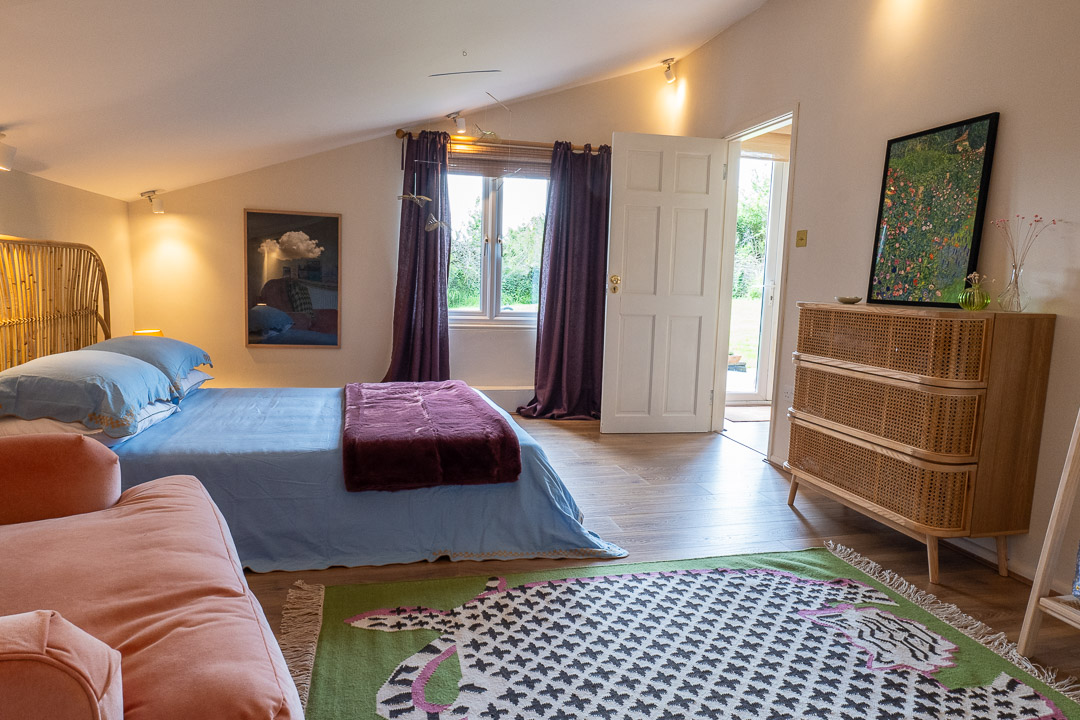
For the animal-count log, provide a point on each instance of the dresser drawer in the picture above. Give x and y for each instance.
(950, 347)
(933, 423)
(930, 495)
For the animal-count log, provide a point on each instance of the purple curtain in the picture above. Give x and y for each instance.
(570, 326)
(421, 326)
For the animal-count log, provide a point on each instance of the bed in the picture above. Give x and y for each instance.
(271, 458)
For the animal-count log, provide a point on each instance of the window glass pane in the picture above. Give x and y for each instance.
(467, 242)
(524, 202)
(747, 300)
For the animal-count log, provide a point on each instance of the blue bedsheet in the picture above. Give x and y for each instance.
(271, 459)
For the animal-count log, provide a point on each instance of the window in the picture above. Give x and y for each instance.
(497, 208)
(497, 237)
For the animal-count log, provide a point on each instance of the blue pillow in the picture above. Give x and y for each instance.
(99, 389)
(263, 319)
(175, 358)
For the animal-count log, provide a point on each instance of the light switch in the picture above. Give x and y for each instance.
(800, 238)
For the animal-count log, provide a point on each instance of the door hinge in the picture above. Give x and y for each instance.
(711, 393)
(725, 171)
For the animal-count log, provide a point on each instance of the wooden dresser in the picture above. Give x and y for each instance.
(926, 420)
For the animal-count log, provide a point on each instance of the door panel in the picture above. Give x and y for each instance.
(644, 170)
(682, 367)
(692, 173)
(642, 242)
(664, 278)
(635, 394)
(689, 243)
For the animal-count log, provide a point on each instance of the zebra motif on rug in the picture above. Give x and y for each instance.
(741, 644)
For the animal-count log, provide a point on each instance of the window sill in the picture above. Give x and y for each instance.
(479, 322)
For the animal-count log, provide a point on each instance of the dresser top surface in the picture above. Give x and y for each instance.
(949, 313)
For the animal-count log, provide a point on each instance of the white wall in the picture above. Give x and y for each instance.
(189, 271)
(195, 250)
(864, 71)
(31, 207)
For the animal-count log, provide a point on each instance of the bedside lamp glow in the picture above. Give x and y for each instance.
(151, 331)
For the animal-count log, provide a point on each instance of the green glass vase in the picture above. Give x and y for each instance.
(974, 298)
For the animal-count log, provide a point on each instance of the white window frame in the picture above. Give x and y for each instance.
(490, 314)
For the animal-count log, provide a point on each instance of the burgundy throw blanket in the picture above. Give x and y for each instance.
(405, 435)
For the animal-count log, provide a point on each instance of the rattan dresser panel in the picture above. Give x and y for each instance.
(934, 498)
(950, 348)
(918, 416)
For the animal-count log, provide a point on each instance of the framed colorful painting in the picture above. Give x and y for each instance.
(292, 296)
(933, 198)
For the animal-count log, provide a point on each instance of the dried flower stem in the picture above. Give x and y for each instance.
(1020, 245)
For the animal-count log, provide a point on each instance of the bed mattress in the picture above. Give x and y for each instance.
(271, 459)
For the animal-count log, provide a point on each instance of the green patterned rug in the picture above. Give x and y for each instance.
(780, 635)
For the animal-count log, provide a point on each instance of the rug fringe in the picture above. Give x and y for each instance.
(975, 629)
(301, 620)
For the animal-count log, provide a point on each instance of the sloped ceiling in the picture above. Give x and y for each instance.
(118, 96)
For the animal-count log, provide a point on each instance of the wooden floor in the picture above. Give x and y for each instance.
(665, 497)
(754, 435)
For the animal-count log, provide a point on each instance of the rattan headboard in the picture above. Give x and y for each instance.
(54, 297)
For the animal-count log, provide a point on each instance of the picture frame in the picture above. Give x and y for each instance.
(930, 213)
(292, 291)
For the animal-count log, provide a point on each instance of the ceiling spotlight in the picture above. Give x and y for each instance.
(7, 155)
(459, 122)
(669, 74)
(157, 205)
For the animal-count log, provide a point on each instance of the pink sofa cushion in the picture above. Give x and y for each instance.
(157, 577)
(53, 475)
(51, 669)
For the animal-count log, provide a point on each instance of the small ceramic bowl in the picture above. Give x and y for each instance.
(848, 299)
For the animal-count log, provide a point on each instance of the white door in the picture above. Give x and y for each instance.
(664, 255)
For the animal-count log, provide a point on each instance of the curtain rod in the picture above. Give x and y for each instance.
(501, 143)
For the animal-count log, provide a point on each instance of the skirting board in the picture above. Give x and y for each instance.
(508, 398)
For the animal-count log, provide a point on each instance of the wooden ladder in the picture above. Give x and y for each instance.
(1063, 607)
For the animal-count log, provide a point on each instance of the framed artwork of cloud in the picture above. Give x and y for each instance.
(292, 296)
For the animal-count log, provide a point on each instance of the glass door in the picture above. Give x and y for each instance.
(760, 215)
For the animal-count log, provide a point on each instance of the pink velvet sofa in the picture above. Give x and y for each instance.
(126, 605)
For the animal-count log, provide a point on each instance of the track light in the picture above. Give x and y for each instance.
(157, 205)
(7, 155)
(669, 74)
(459, 122)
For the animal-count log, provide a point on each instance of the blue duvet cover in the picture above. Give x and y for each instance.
(271, 459)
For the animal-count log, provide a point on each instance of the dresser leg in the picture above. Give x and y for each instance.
(932, 557)
(1003, 555)
(794, 489)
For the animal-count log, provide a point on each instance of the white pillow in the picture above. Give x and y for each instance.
(192, 381)
(11, 426)
(147, 416)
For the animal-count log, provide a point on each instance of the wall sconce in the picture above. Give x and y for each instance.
(7, 154)
(669, 74)
(154, 332)
(459, 122)
(157, 205)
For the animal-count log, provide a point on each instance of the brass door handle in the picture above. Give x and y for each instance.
(615, 281)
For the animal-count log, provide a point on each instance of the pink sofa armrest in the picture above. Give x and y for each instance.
(50, 668)
(48, 476)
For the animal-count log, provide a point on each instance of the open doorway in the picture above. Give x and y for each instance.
(762, 156)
